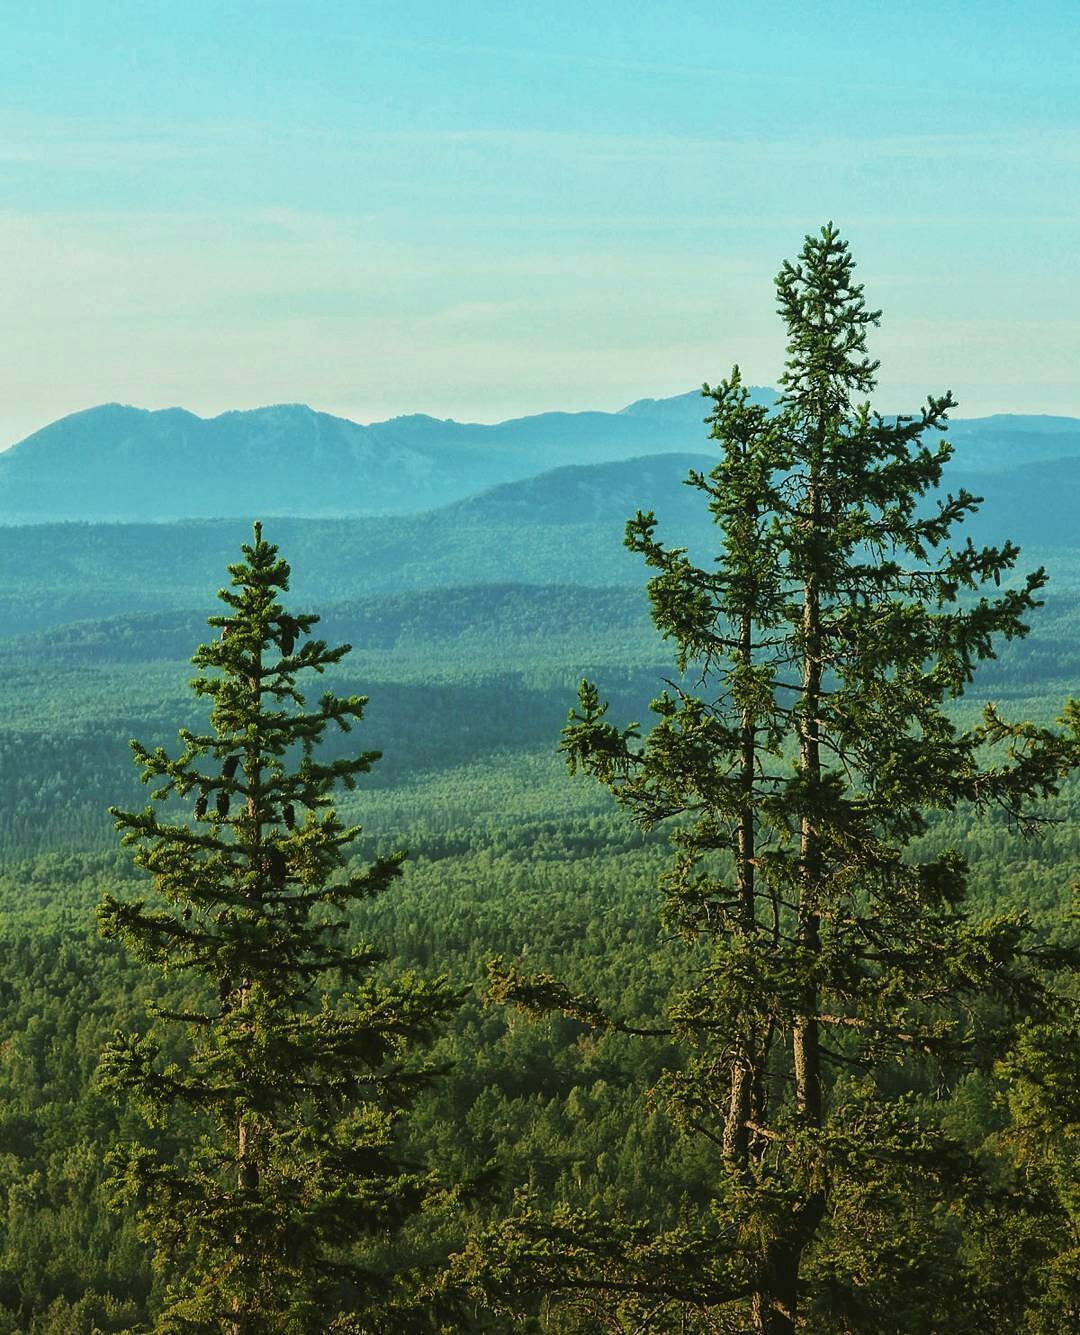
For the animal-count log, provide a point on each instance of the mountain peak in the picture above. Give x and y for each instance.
(679, 405)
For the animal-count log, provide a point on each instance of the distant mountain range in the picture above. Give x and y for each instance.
(116, 463)
(564, 526)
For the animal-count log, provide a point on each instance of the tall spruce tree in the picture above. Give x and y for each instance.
(275, 1214)
(804, 746)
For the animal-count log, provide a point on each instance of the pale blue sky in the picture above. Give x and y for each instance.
(479, 210)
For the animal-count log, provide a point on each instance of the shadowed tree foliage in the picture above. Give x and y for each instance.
(1028, 1235)
(276, 1214)
(798, 754)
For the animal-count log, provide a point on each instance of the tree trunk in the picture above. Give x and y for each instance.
(736, 1132)
(773, 1309)
(247, 1172)
(775, 1306)
(805, 1045)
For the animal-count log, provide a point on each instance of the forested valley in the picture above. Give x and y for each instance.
(581, 973)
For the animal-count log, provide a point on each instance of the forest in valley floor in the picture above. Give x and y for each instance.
(508, 856)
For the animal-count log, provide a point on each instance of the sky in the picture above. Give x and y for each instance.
(482, 210)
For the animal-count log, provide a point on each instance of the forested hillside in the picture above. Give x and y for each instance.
(50, 574)
(559, 527)
(469, 676)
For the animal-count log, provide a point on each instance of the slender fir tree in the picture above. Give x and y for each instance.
(276, 1215)
(805, 745)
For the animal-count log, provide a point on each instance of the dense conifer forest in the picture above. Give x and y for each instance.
(596, 1004)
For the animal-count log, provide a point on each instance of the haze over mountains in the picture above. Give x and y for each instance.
(115, 463)
(120, 463)
(163, 499)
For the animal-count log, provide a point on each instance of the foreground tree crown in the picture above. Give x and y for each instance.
(289, 1100)
(799, 753)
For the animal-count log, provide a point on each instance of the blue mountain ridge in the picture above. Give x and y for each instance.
(119, 463)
